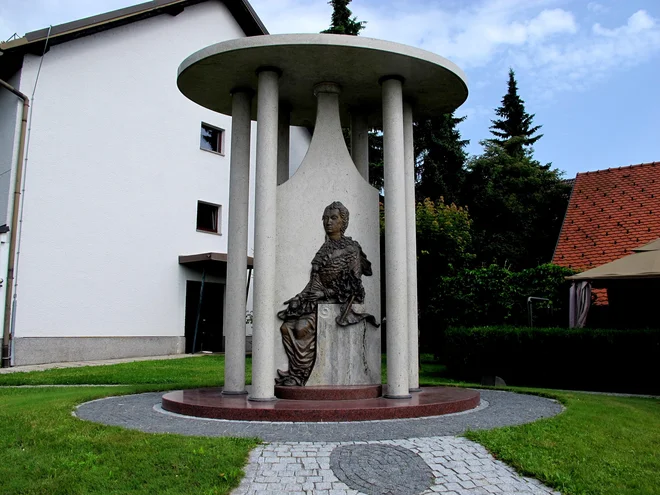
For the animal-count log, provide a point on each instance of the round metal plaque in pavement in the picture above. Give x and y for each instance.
(381, 469)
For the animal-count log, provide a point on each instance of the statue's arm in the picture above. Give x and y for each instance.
(314, 289)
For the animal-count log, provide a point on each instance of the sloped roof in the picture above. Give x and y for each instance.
(610, 213)
(34, 41)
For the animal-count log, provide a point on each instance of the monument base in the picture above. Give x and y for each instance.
(347, 355)
(210, 403)
(329, 392)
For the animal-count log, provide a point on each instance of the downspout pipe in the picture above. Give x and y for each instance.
(13, 231)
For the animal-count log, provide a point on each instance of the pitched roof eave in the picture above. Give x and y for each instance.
(34, 42)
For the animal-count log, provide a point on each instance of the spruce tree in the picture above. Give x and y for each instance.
(342, 22)
(513, 130)
(517, 206)
(440, 158)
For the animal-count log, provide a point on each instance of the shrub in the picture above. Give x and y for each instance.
(495, 296)
(576, 358)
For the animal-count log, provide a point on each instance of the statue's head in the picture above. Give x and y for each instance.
(335, 219)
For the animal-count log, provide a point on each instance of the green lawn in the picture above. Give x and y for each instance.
(45, 450)
(202, 371)
(600, 445)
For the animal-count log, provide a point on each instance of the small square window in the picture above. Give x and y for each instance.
(211, 139)
(208, 217)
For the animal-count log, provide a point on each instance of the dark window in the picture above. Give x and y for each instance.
(208, 217)
(211, 138)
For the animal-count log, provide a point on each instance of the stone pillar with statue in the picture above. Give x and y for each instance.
(329, 322)
(317, 301)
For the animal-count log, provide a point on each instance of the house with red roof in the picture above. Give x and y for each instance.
(610, 213)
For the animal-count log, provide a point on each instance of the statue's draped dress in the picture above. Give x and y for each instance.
(336, 275)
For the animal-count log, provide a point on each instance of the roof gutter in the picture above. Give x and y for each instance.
(13, 231)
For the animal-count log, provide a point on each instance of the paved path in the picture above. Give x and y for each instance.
(392, 457)
(445, 465)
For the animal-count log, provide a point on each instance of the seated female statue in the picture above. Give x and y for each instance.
(336, 277)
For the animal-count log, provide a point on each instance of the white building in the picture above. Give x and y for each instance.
(123, 176)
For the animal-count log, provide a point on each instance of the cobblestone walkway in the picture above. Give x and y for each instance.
(446, 465)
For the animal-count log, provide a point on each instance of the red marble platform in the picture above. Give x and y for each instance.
(209, 403)
(329, 392)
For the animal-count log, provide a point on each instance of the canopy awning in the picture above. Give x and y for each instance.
(211, 263)
(642, 264)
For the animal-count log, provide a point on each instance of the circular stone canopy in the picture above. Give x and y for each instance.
(433, 84)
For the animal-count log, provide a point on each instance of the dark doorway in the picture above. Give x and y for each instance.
(209, 326)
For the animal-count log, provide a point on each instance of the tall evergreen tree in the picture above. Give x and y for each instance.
(343, 21)
(517, 207)
(513, 130)
(440, 158)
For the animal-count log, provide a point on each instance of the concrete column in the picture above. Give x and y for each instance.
(360, 143)
(237, 243)
(411, 242)
(284, 121)
(265, 230)
(396, 259)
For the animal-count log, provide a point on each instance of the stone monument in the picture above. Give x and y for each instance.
(311, 332)
(325, 334)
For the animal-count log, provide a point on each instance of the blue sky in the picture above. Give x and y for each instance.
(589, 70)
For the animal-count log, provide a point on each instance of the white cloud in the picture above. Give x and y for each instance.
(471, 37)
(293, 16)
(476, 111)
(577, 63)
(597, 8)
(638, 22)
(538, 38)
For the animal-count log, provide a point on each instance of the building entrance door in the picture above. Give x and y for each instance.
(205, 316)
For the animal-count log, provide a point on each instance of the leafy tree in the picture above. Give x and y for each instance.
(493, 295)
(440, 158)
(444, 242)
(513, 129)
(376, 170)
(342, 22)
(444, 238)
(517, 206)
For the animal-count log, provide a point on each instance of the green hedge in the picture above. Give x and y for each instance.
(492, 295)
(580, 359)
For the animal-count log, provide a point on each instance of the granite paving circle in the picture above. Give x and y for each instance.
(142, 412)
(381, 469)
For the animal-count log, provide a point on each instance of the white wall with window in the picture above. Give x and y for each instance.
(118, 168)
(212, 139)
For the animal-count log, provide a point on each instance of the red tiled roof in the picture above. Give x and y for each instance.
(610, 212)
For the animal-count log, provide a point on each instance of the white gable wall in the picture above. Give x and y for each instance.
(114, 176)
